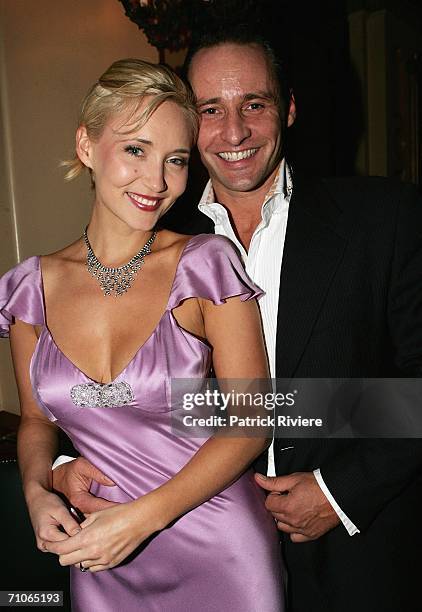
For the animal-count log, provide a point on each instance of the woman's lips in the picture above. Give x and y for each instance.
(144, 202)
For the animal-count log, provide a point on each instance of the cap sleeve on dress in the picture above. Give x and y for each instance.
(21, 296)
(210, 268)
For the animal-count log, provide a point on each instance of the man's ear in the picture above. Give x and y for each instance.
(83, 146)
(292, 110)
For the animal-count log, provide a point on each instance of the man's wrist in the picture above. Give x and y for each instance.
(349, 526)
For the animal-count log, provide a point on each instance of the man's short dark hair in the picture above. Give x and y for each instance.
(243, 35)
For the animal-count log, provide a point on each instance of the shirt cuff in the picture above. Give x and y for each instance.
(61, 460)
(350, 527)
(271, 464)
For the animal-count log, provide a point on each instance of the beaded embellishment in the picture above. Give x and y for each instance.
(97, 395)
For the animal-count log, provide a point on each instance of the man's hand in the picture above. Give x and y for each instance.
(299, 506)
(73, 479)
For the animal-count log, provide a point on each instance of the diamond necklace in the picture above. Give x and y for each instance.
(116, 280)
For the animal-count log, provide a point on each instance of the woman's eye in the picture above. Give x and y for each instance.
(178, 161)
(134, 150)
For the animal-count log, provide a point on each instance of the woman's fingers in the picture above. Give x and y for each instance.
(65, 547)
(52, 533)
(92, 566)
(68, 522)
(104, 540)
(89, 519)
(51, 520)
(98, 568)
(79, 556)
(56, 526)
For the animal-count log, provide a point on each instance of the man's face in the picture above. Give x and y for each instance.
(240, 130)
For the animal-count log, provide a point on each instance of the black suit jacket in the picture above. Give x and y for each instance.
(351, 306)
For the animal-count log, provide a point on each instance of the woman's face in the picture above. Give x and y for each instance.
(138, 176)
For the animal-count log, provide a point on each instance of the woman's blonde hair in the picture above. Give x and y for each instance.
(122, 88)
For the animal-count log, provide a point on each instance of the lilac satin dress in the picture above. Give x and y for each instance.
(222, 556)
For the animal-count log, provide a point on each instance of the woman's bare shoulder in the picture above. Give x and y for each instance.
(171, 244)
(169, 239)
(59, 261)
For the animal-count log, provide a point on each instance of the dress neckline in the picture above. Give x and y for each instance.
(46, 331)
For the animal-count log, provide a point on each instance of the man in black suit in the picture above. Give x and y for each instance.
(341, 263)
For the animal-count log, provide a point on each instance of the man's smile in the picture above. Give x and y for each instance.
(233, 156)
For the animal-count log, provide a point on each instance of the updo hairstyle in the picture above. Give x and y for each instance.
(122, 90)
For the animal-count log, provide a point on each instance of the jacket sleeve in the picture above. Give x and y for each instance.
(366, 474)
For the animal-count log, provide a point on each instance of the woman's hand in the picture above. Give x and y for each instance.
(50, 518)
(109, 536)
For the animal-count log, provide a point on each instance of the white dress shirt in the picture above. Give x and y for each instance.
(263, 264)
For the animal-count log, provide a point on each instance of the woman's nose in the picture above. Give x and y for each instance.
(155, 177)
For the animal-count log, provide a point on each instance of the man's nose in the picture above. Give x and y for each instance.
(235, 129)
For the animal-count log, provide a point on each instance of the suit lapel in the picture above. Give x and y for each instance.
(314, 246)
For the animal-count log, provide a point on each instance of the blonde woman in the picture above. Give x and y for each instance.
(98, 330)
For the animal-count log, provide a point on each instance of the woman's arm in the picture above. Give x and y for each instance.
(234, 331)
(37, 444)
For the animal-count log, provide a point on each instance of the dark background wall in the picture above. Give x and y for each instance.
(327, 92)
(331, 88)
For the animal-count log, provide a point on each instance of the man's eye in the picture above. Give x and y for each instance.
(255, 106)
(209, 111)
(134, 150)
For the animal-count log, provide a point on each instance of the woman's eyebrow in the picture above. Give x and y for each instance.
(150, 142)
(128, 138)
